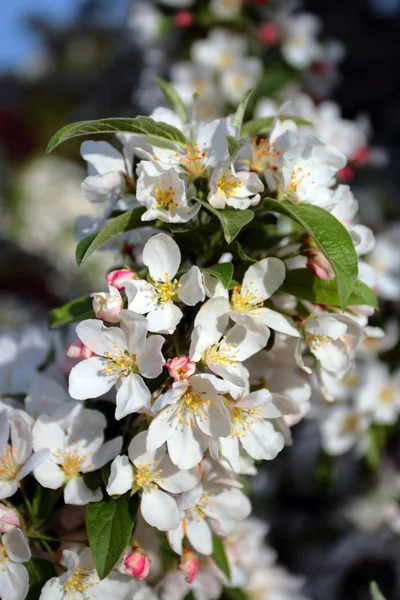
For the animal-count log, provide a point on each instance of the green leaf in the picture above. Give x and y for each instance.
(241, 109)
(131, 219)
(219, 557)
(242, 254)
(222, 271)
(331, 237)
(44, 502)
(376, 593)
(232, 220)
(235, 594)
(109, 525)
(76, 310)
(264, 124)
(155, 130)
(234, 145)
(39, 570)
(173, 98)
(304, 284)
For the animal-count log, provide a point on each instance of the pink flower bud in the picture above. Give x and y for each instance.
(184, 18)
(321, 67)
(8, 519)
(107, 306)
(77, 350)
(119, 277)
(361, 156)
(346, 174)
(268, 34)
(137, 564)
(319, 264)
(180, 368)
(189, 565)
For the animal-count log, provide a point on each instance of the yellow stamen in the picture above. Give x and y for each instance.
(120, 364)
(228, 185)
(8, 466)
(245, 302)
(165, 197)
(166, 290)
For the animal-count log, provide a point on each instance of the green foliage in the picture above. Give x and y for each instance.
(235, 594)
(154, 131)
(331, 237)
(129, 220)
(76, 310)
(241, 109)
(219, 557)
(222, 271)
(234, 145)
(263, 125)
(173, 98)
(109, 525)
(232, 221)
(40, 570)
(304, 284)
(376, 593)
(44, 501)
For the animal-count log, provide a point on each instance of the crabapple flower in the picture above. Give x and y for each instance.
(343, 429)
(14, 578)
(119, 277)
(189, 565)
(224, 355)
(9, 519)
(241, 76)
(384, 260)
(163, 193)
(81, 581)
(151, 471)
(189, 415)
(122, 356)
(16, 458)
(75, 438)
(107, 306)
(206, 586)
(220, 50)
(237, 189)
(180, 368)
(300, 47)
(137, 563)
(225, 11)
(379, 394)
(162, 256)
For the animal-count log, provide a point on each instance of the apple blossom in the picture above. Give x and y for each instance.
(379, 394)
(180, 368)
(14, 578)
(107, 306)
(9, 519)
(237, 189)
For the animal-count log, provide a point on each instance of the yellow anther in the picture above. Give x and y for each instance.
(228, 185)
(245, 302)
(120, 364)
(8, 466)
(166, 290)
(165, 197)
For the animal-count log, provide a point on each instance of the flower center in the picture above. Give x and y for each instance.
(228, 185)
(166, 290)
(245, 302)
(350, 424)
(79, 581)
(242, 418)
(145, 477)
(165, 197)
(297, 177)
(263, 155)
(192, 159)
(387, 395)
(315, 342)
(70, 461)
(222, 352)
(197, 512)
(191, 405)
(8, 467)
(121, 364)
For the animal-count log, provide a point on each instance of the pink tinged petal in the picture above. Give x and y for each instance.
(175, 480)
(135, 329)
(160, 510)
(133, 395)
(76, 492)
(175, 538)
(261, 441)
(186, 446)
(191, 290)
(108, 451)
(33, 462)
(121, 476)
(139, 455)
(100, 339)
(14, 582)
(141, 296)
(49, 475)
(217, 421)
(164, 318)
(150, 360)
(16, 546)
(88, 379)
(21, 438)
(264, 278)
(162, 256)
(200, 536)
(278, 322)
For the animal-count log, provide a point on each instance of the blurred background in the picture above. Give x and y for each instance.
(68, 60)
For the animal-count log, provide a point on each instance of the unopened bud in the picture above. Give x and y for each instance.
(189, 565)
(346, 174)
(119, 277)
(184, 18)
(137, 563)
(77, 350)
(180, 368)
(8, 519)
(107, 306)
(268, 34)
(361, 156)
(320, 265)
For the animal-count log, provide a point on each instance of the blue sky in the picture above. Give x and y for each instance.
(15, 42)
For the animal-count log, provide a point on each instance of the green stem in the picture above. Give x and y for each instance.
(27, 501)
(34, 535)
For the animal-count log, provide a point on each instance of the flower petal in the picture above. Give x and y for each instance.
(191, 290)
(132, 396)
(76, 492)
(100, 339)
(121, 476)
(162, 256)
(264, 278)
(160, 510)
(164, 318)
(150, 360)
(16, 546)
(88, 379)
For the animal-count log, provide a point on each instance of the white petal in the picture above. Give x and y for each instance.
(199, 535)
(246, 337)
(100, 188)
(164, 318)
(186, 446)
(175, 480)
(49, 475)
(47, 434)
(121, 476)
(135, 328)
(7, 489)
(261, 441)
(141, 296)
(33, 462)
(132, 396)
(264, 278)
(21, 438)
(102, 156)
(88, 379)
(327, 326)
(52, 590)
(108, 451)
(16, 546)
(162, 256)
(100, 339)
(217, 422)
(191, 290)
(160, 510)
(159, 430)
(150, 360)
(278, 322)
(14, 581)
(76, 492)
(230, 450)
(175, 538)
(139, 454)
